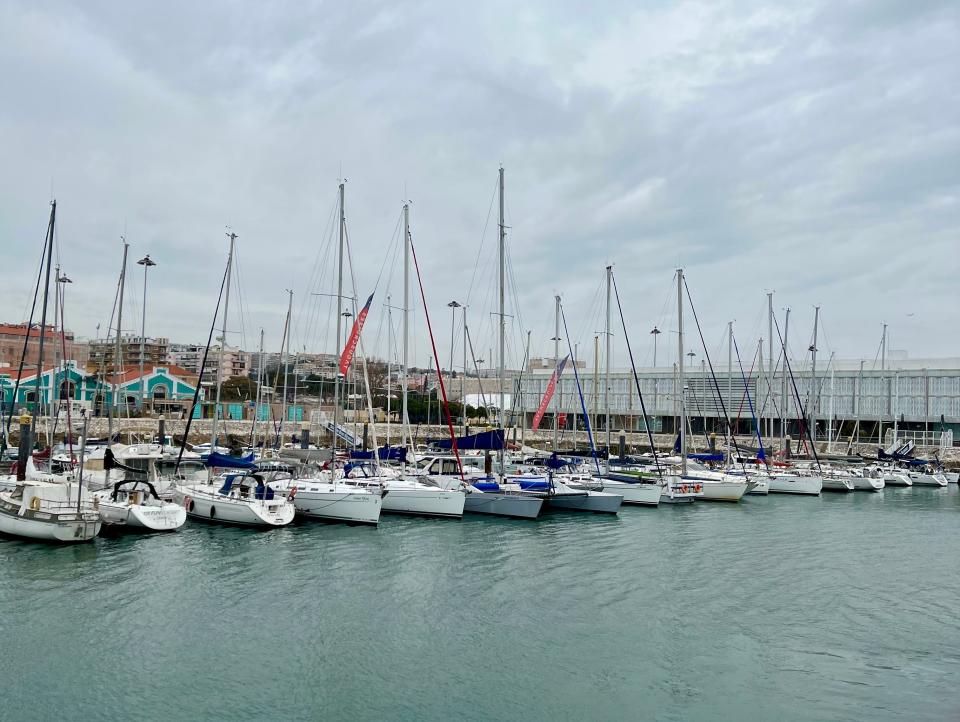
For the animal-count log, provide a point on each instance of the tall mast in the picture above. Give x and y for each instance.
(389, 365)
(285, 362)
(256, 405)
(336, 381)
(523, 414)
(783, 383)
(884, 402)
(680, 380)
(606, 373)
(117, 352)
(814, 395)
(51, 226)
(463, 377)
(501, 362)
(768, 399)
(223, 339)
(730, 431)
(406, 314)
(556, 358)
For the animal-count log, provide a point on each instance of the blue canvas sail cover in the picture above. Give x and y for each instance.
(485, 440)
(225, 461)
(386, 453)
(705, 457)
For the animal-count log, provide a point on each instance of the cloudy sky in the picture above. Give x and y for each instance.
(811, 149)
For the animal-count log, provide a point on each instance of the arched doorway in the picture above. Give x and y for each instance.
(68, 390)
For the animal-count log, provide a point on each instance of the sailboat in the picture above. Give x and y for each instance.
(233, 498)
(54, 512)
(325, 495)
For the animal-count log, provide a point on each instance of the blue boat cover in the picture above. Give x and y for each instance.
(537, 484)
(486, 485)
(386, 453)
(485, 440)
(705, 457)
(225, 461)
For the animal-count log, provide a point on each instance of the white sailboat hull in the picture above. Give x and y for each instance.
(896, 478)
(923, 479)
(160, 517)
(350, 506)
(424, 502)
(833, 483)
(210, 506)
(725, 490)
(866, 483)
(761, 486)
(43, 530)
(952, 476)
(788, 484)
(517, 506)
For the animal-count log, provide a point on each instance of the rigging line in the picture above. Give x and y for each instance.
(732, 439)
(483, 236)
(26, 339)
(746, 388)
(583, 403)
(636, 379)
(203, 365)
(796, 392)
(436, 356)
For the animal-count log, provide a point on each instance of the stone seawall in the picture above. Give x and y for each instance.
(132, 430)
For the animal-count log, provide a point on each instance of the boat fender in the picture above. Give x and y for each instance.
(383, 493)
(292, 494)
(213, 512)
(188, 503)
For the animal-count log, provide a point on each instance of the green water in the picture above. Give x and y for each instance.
(844, 607)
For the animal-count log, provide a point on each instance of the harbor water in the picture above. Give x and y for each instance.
(842, 607)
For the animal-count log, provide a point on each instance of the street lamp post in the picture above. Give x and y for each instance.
(146, 262)
(656, 374)
(453, 306)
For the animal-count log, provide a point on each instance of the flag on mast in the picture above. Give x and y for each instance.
(548, 394)
(347, 356)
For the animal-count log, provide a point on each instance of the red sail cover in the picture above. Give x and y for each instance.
(347, 356)
(551, 387)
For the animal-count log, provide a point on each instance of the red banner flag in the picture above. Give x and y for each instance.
(548, 394)
(347, 356)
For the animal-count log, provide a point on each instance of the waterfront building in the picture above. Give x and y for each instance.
(923, 395)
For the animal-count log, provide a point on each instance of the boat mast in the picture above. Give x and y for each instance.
(680, 380)
(285, 362)
(406, 317)
(883, 387)
(463, 382)
(556, 359)
(223, 337)
(606, 372)
(256, 404)
(768, 399)
(389, 365)
(730, 432)
(503, 330)
(814, 391)
(51, 226)
(336, 381)
(523, 414)
(783, 385)
(117, 351)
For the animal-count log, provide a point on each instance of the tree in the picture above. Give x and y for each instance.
(238, 388)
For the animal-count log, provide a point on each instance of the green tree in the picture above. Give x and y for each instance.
(238, 388)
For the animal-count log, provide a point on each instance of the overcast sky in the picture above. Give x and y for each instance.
(810, 148)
